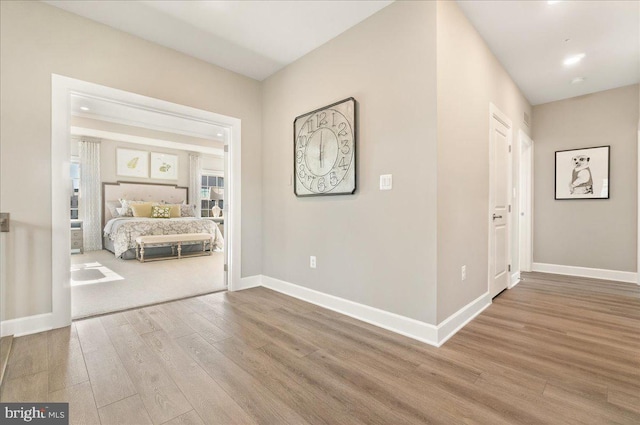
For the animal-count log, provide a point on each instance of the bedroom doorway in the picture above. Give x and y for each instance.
(175, 154)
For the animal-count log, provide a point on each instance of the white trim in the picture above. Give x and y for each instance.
(525, 223)
(61, 90)
(515, 279)
(638, 211)
(249, 282)
(27, 325)
(421, 331)
(452, 324)
(617, 275)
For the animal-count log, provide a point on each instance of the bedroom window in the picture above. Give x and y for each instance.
(75, 189)
(210, 179)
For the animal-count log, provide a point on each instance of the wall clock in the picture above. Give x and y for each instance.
(324, 152)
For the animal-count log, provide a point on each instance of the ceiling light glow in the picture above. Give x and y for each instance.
(84, 108)
(572, 60)
(553, 1)
(219, 134)
(577, 80)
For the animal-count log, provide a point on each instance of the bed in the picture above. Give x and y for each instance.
(120, 233)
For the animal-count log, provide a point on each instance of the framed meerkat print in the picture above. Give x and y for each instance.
(324, 150)
(582, 173)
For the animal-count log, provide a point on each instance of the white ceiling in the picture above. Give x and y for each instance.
(253, 38)
(528, 38)
(257, 38)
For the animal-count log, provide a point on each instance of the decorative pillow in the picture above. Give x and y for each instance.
(187, 210)
(175, 210)
(160, 211)
(113, 206)
(141, 210)
(126, 206)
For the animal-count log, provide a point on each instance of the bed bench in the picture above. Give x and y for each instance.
(175, 241)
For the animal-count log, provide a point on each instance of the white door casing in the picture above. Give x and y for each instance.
(525, 220)
(500, 136)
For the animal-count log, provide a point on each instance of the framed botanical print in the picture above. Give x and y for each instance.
(324, 150)
(132, 163)
(164, 166)
(583, 173)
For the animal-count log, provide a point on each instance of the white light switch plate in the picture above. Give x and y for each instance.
(386, 182)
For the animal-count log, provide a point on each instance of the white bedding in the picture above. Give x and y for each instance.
(123, 231)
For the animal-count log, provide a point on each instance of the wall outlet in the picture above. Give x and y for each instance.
(312, 261)
(386, 182)
(463, 272)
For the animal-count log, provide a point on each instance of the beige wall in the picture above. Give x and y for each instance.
(588, 233)
(37, 40)
(469, 78)
(376, 248)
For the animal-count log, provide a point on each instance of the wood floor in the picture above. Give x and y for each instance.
(553, 350)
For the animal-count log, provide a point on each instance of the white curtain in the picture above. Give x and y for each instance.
(195, 181)
(90, 194)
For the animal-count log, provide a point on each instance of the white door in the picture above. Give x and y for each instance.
(499, 200)
(526, 202)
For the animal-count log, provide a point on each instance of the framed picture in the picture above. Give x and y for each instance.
(164, 166)
(324, 150)
(132, 163)
(583, 173)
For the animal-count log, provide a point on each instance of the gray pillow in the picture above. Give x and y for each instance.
(113, 206)
(187, 210)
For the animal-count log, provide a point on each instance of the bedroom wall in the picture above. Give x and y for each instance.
(37, 40)
(376, 247)
(588, 233)
(469, 78)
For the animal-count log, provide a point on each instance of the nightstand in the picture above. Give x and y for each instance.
(76, 236)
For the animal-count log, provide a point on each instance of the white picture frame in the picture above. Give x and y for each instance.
(132, 163)
(583, 173)
(164, 166)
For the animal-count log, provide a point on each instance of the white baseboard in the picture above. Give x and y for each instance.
(27, 325)
(248, 282)
(515, 279)
(617, 275)
(455, 322)
(421, 331)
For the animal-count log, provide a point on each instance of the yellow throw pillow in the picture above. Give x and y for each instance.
(175, 210)
(142, 210)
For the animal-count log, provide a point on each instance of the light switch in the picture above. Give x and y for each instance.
(386, 182)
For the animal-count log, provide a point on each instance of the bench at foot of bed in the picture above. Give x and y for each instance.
(176, 242)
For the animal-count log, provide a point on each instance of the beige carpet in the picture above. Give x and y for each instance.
(101, 283)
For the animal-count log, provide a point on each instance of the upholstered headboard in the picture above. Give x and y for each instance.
(169, 193)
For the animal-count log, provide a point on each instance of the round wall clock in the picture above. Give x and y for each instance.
(324, 152)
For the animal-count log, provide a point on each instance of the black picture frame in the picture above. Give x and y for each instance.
(583, 173)
(341, 131)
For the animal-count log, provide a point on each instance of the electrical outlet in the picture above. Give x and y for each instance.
(312, 261)
(463, 272)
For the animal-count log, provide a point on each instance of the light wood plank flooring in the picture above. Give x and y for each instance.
(553, 350)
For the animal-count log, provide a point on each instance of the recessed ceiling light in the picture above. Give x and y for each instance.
(566, 40)
(572, 60)
(84, 108)
(577, 80)
(553, 1)
(219, 134)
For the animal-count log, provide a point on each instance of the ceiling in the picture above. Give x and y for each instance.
(253, 38)
(530, 38)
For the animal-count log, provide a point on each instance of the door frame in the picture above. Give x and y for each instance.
(525, 202)
(61, 89)
(495, 113)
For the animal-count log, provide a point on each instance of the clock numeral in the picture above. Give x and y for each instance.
(310, 179)
(345, 149)
(299, 156)
(301, 172)
(342, 164)
(321, 119)
(321, 184)
(342, 129)
(310, 125)
(333, 178)
(302, 141)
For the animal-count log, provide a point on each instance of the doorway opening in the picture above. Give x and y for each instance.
(168, 188)
(525, 220)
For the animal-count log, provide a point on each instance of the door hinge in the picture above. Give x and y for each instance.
(509, 267)
(225, 268)
(226, 148)
(509, 208)
(509, 148)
